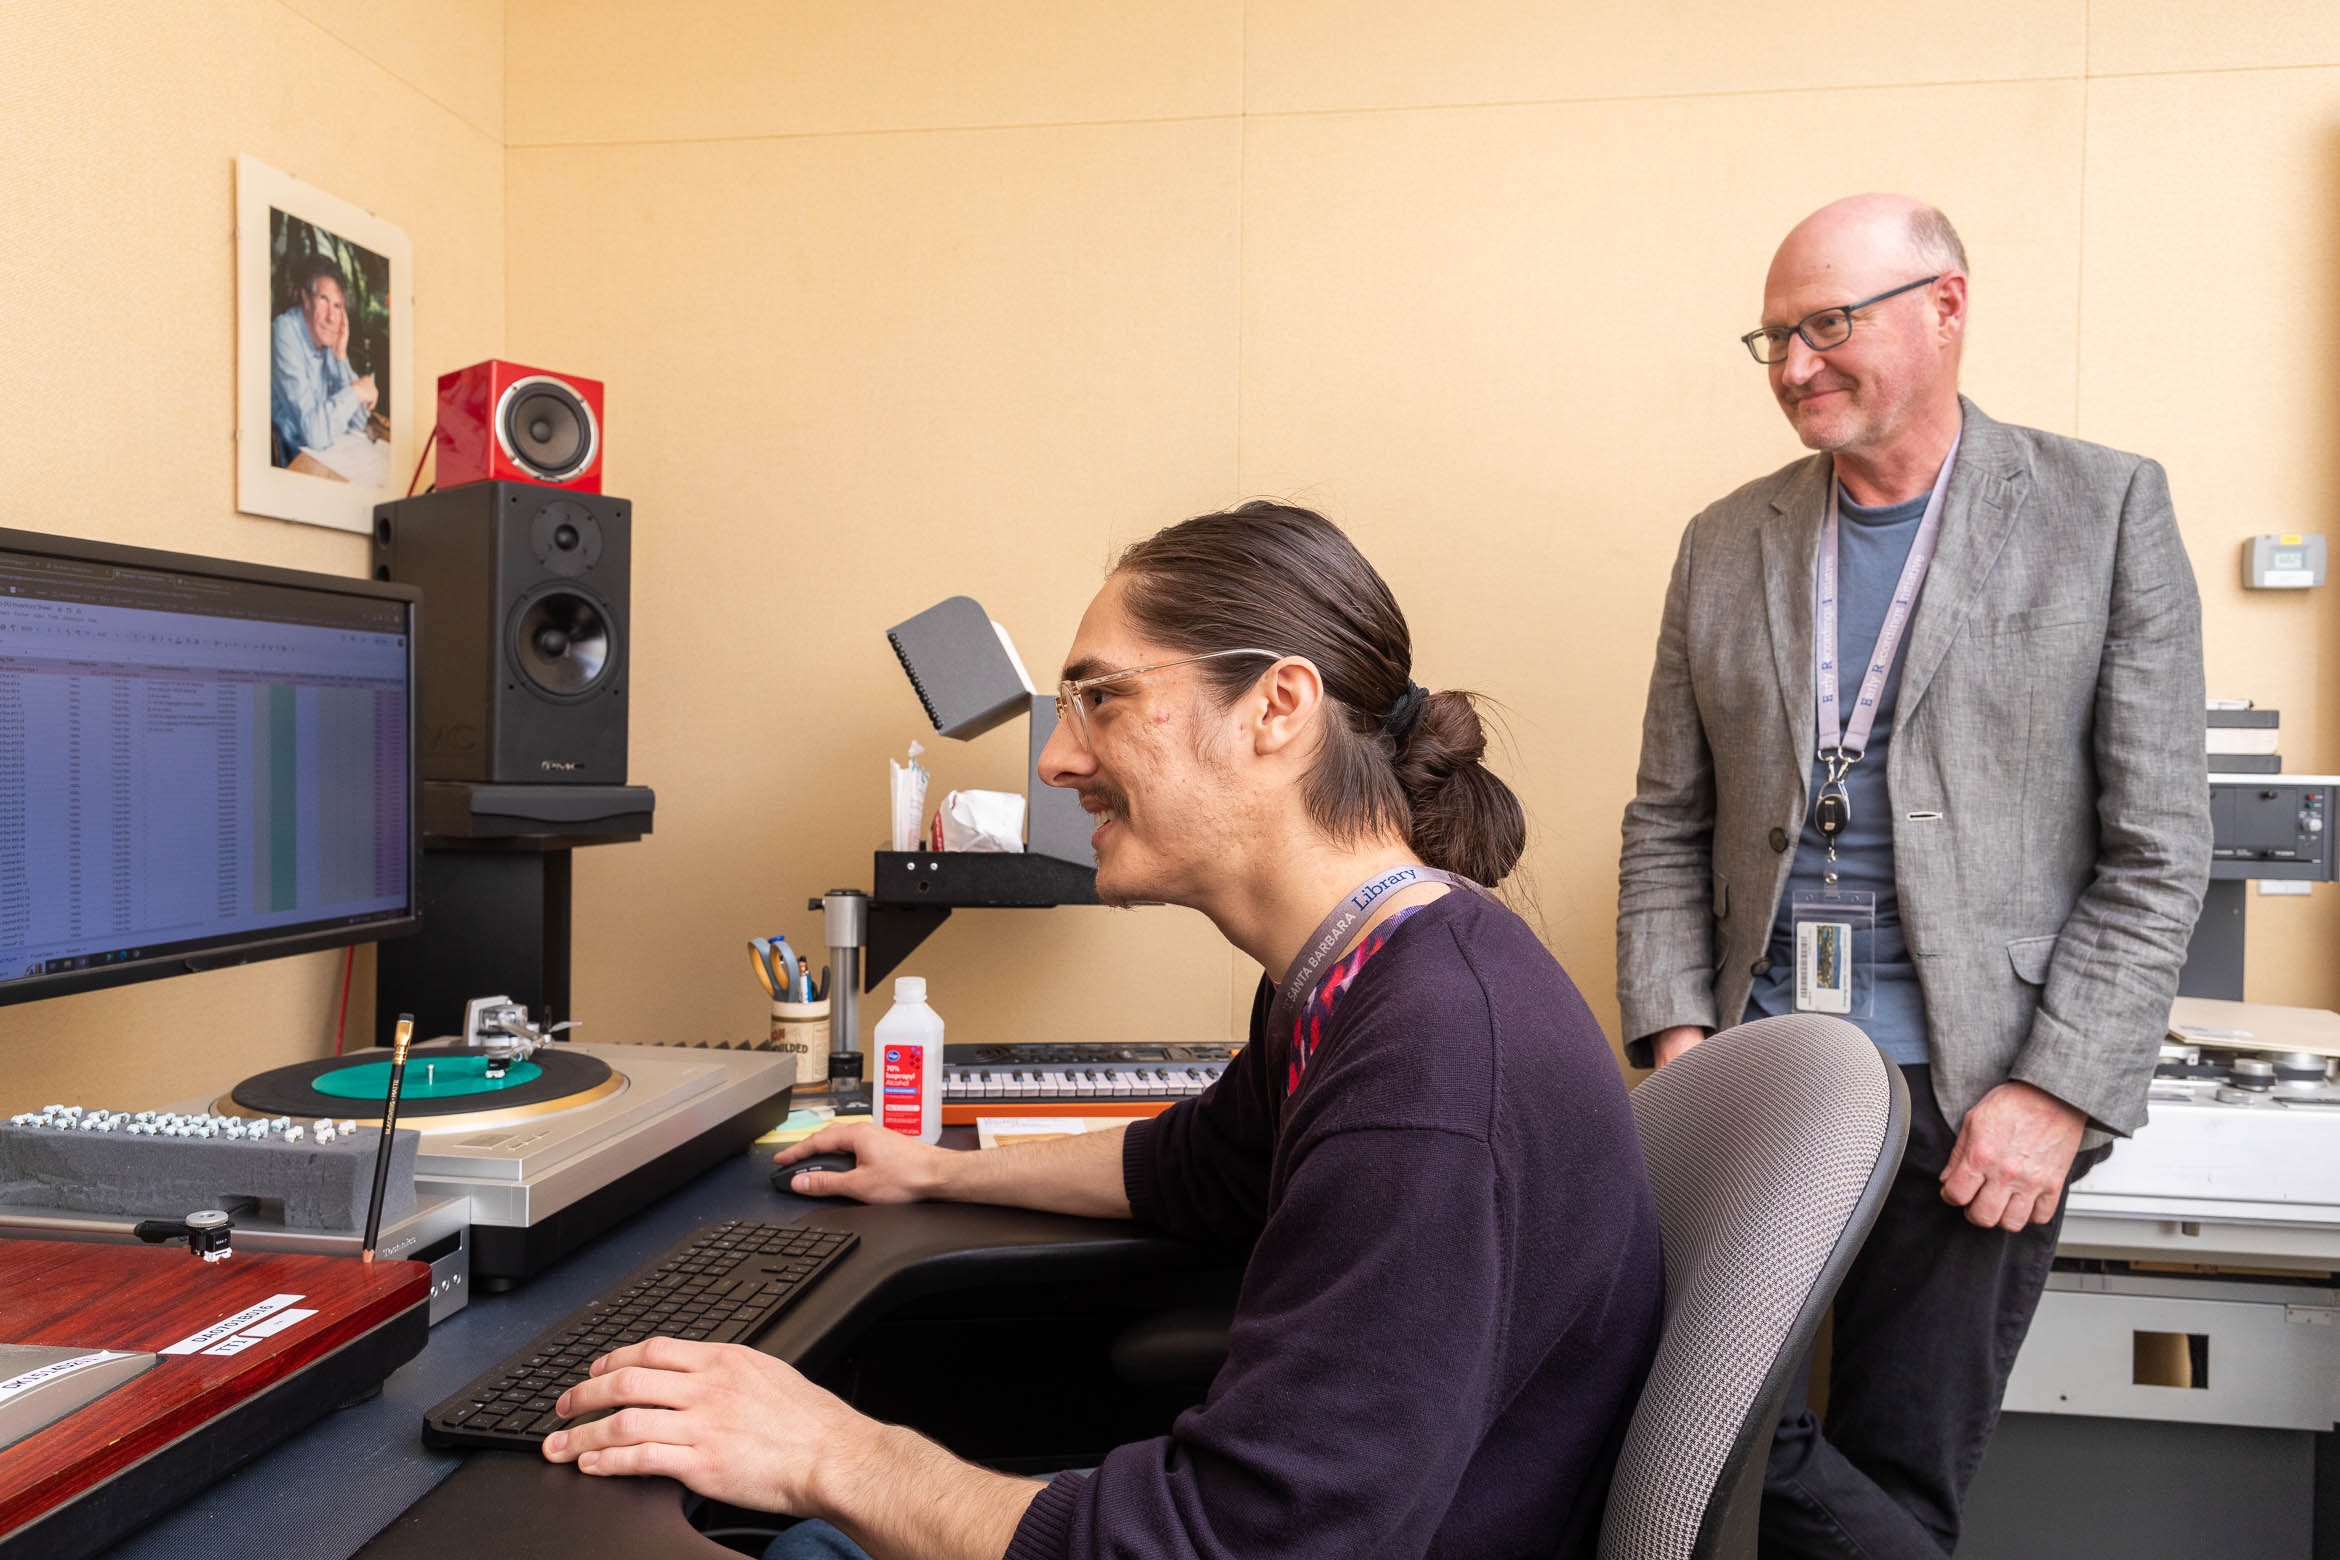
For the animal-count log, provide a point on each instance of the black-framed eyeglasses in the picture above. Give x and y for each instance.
(1821, 329)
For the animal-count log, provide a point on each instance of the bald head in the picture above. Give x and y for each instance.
(1876, 236)
(1883, 393)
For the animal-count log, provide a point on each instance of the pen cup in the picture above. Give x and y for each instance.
(802, 1030)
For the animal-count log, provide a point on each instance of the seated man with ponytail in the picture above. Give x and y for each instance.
(1453, 1286)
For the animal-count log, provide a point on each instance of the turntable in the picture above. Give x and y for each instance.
(550, 1143)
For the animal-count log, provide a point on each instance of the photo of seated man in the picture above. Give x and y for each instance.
(1453, 1291)
(321, 411)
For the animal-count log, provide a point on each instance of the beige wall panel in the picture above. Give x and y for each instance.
(1332, 54)
(450, 51)
(1499, 346)
(618, 70)
(850, 376)
(2127, 36)
(2211, 341)
(117, 413)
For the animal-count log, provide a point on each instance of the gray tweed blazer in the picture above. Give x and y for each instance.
(2051, 811)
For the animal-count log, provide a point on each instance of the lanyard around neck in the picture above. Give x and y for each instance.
(1842, 742)
(1332, 935)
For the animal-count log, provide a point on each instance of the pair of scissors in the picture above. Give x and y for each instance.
(776, 977)
(785, 977)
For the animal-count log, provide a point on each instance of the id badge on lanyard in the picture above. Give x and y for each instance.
(1835, 927)
(1836, 937)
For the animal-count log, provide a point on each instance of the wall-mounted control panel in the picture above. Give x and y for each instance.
(2286, 561)
(2272, 826)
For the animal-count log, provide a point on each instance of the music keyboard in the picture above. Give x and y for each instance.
(1074, 1080)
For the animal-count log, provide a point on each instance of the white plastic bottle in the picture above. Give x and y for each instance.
(910, 1063)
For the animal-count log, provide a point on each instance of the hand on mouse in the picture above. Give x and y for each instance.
(889, 1168)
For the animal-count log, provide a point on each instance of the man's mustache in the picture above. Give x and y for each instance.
(1793, 394)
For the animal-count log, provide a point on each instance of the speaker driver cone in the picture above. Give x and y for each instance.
(546, 428)
(562, 643)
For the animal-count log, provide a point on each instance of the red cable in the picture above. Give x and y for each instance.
(419, 459)
(348, 963)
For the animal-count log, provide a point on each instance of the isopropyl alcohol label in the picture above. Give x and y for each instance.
(901, 1080)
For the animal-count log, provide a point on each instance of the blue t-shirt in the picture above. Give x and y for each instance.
(1872, 546)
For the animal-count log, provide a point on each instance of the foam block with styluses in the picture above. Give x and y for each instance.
(317, 1186)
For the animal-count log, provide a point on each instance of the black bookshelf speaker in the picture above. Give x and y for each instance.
(523, 625)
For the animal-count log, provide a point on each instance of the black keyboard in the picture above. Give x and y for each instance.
(723, 1284)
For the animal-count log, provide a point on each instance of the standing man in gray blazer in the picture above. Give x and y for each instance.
(1924, 750)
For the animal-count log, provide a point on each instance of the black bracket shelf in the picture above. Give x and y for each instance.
(464, 814)
(914, 891)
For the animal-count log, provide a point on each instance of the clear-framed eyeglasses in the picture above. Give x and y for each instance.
(1821, 329)
(1072, 698)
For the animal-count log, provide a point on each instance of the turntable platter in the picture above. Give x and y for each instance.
(440, 1081)
(443, 1078)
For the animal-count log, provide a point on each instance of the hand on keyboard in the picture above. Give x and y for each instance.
(729, 1422)
(889, 1168)
(723, 1283)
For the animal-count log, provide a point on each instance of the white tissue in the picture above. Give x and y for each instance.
(909, 800)
(983, 820)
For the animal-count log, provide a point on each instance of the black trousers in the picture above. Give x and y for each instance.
(1928, 1323)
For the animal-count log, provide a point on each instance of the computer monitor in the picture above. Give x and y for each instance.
(201, 763)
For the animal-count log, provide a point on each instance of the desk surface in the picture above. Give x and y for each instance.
(329, 1490)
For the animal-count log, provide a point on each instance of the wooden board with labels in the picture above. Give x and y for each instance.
(161, 1372)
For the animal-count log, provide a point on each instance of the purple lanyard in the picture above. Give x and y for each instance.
(1332, 935)
(1841, 742)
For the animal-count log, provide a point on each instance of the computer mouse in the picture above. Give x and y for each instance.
(784, 1176)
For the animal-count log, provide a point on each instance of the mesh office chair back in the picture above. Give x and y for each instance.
(1770, 1149)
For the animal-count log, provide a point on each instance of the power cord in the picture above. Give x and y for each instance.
(429, 444)
(341, 1026)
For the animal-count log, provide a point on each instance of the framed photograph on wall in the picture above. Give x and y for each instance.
(324, 353)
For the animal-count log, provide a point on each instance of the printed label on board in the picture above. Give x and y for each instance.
(278, 1323)
(900, 1080)
(40, 1373)
(237, 1323)
(261, 1331)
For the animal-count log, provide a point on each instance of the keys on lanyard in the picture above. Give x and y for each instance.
(1832, 809)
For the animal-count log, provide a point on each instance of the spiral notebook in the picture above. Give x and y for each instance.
(964, 667)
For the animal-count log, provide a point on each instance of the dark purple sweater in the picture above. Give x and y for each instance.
(1454, 1283)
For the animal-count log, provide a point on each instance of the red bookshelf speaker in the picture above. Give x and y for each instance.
(506, 422)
